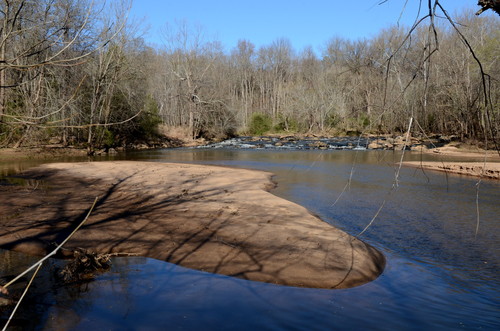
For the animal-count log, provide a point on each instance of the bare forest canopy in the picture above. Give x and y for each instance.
(77, 72)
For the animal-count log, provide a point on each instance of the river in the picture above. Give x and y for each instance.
(440, 273)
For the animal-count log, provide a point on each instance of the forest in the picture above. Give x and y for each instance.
(80, 73)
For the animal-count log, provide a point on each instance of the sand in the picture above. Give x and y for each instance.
(487, 170)
(465, 152)
(215, 219)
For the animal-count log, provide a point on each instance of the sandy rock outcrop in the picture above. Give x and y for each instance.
(214, 219)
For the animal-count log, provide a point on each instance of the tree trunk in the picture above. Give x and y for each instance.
(3, 76)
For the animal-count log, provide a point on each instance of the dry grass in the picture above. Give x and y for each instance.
(176, 132)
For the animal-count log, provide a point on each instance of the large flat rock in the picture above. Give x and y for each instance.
(209, 218)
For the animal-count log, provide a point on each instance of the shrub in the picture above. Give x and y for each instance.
(333, 120)
(260, 124)
(287, 125)
(150, 119)
(364, 121)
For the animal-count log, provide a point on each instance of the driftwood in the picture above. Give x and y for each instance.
(86, 263)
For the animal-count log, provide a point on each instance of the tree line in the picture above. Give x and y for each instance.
(78, 72)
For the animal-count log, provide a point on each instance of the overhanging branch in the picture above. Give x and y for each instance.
(488, 4)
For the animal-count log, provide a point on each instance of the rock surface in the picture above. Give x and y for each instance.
(214, 219)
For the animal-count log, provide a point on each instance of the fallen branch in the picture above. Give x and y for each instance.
(86, 263)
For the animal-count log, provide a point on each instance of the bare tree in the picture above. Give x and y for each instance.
(37, 38)
(243, 57)
(433, 11)
(190, 75)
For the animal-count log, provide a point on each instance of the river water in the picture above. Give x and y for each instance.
(440, 274)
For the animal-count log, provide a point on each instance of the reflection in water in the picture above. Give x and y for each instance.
(440, 275)
(142, 293)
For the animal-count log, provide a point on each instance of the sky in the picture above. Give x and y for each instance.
(304, 23)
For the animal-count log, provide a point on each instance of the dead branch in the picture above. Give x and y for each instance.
(84, 265)
(488, 4)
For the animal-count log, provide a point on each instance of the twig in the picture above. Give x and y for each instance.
(478, 184)
(21, 298)
(373, 219)
(395, 184)
(485, 80)
(55, 250)
(407, 141)
(477, 206)
(348, 184)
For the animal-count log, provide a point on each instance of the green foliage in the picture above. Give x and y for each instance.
(149, 119)
(286, 124)
(488, 51)
(364, 121)
(332, 120)
(108, 138)
(104, 137)
(260, 124)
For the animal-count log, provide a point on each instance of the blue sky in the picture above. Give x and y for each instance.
(304, 23)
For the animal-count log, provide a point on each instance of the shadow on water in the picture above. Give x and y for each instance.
(439, 274)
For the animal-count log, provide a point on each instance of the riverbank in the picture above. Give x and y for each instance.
(488, 168)
(463, 153)
(37, 153)
(209, 218)
(169, 138)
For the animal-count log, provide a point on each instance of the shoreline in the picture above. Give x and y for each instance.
(214, 219)
(460, 167)
(489, 170)
(468, 152)
(38, 153)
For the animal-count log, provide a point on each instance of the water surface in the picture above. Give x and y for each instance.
(440, 274)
